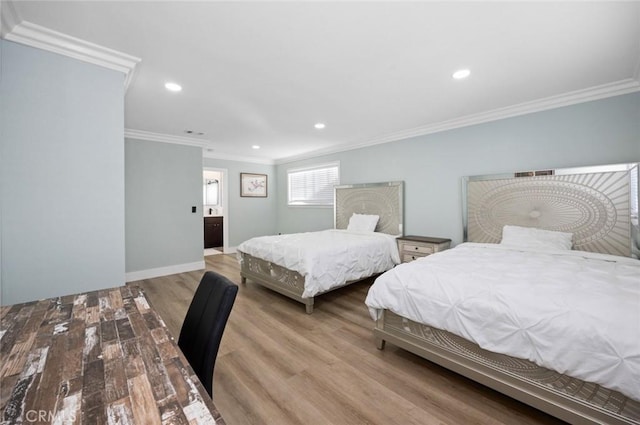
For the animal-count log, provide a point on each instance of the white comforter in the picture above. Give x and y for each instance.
(328, 258)
(575, 312)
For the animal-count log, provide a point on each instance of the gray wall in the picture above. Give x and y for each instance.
(600, 132)
(163, 181)
(248, 217)
(61, 175)
(62, 186)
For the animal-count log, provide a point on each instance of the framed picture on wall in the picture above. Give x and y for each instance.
(253, 185)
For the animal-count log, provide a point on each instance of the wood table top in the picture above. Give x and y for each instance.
(103, 357)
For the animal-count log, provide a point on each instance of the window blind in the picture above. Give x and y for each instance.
(313, 185)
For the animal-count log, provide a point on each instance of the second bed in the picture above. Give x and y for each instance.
(302, 266)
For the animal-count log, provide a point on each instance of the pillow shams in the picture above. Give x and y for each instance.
(363, 222)
(532, 238)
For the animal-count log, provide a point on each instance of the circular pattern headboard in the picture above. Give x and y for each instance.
(382, 199)
(594, 206)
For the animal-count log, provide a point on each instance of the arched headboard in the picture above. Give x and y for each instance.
(599, 205)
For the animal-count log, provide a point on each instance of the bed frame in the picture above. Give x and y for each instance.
(599, 205)
(382, 199)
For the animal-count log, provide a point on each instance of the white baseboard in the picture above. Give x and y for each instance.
(164, 271)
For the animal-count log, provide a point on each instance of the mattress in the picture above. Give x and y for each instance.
(328, 258)
(574, 312)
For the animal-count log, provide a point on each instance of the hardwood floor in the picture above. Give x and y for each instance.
(278, 365)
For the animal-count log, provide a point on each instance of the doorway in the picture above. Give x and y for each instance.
(215, 196)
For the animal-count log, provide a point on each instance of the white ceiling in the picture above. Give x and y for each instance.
(264, 72)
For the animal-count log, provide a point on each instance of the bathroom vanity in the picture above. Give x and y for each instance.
(213, 231)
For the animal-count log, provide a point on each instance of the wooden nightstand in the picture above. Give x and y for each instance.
(413, 247)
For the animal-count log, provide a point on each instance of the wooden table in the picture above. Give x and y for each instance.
(103, 357)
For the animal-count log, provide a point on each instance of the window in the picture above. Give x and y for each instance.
(313, 186)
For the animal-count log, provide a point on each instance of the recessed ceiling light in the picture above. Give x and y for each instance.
(172, 86)
(255, 147)
(461, 73)
(320, 125)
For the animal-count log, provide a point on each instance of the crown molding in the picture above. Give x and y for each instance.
(164, 138)
(33, 35)
(238, 158)
(617, 88)
(192, 141)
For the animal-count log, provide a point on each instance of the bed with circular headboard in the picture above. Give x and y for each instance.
(592, 210)
(383, 200)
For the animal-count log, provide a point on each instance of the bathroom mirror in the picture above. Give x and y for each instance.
(211, 192)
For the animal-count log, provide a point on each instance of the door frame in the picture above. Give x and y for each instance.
(224, 172)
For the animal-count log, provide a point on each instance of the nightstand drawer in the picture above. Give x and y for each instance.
(413, 247)
(407, 258)
(418, 249)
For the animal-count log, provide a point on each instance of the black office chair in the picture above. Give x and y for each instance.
(204, 324)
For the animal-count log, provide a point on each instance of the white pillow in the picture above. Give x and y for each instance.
(363, 222)
(532, 238)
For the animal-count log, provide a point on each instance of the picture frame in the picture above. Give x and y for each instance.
(253, 185)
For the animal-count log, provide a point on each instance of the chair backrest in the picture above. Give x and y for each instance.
(204, 324)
